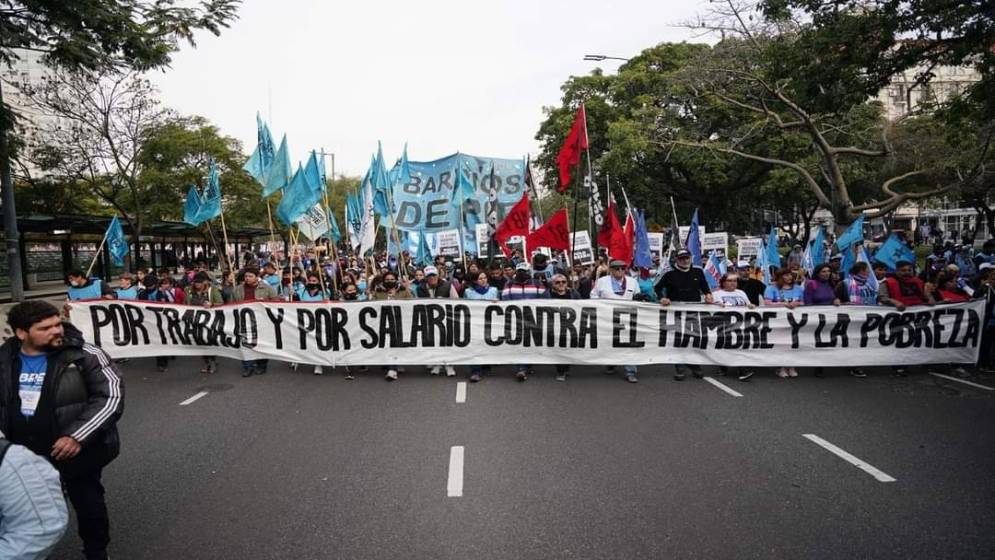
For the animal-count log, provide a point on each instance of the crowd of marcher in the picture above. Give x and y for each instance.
(951, 274)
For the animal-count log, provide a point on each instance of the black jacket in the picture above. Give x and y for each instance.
(442, 290)
(82, 395)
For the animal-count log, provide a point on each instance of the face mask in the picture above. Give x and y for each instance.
(390, 284)
(314, 286)
(350, 297)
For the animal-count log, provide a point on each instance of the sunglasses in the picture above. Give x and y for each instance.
(559, 281)
(618, 268)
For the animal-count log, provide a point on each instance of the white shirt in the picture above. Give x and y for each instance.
(735, 298)
(605, 289)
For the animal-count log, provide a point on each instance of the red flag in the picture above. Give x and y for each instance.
(515, 223)
(614, 237)
(553, 234)
(569, 155)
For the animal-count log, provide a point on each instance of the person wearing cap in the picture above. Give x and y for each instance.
(617, 285)
(795, 255)
(684, 283)
(201, 293)
(835, 268)
(436, 288)
(126, 288)
(752, 287)
(986, 255)
(523, 286)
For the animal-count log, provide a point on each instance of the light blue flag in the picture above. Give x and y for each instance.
(872, 280)
(298, 198)
(276, 175)
(424, 256)
(849, 259)
(211, 199)
(893, 250)
(264, 153)
(642, 257)
(465, 190)
(117, 245)
(336, 233)
(762, 263)
(773, 257)
(191, 209)
(400, 174)
(853, 234)
(819, 248)
(313, 174)
(693, 243)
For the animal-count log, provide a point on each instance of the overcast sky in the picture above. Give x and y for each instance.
(440, 75)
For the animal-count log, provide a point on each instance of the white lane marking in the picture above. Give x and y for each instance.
(965, 382)
(461, 391)
(723, 387)
(867, 468)
(193, 398)
(454, 489)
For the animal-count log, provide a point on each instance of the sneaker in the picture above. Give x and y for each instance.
(610, 370)
(213, 368)
(450, 371)
(391, 375)
(631, 379)
(318, 370)
(745, 375)
(899, 372)
(679, 376)
(364, 368)
(959, 371)
(521, 375)
(857, 372)
(474, 377)
(349, 376)
(293, 366)
(818, 372)
(161, 368)
(792, 372)
(247, 372)
(561, 377)
(436, 370)
(783, 373)
(260, 370)
(723, 370)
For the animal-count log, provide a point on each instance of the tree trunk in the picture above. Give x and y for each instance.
(9, 211)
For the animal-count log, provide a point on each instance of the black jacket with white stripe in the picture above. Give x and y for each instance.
(82, 395)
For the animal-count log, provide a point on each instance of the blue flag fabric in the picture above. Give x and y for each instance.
(642, 257)
(424, 257)
(693, 243)
(849, 259)
(762, 263)
(893, 250)
(264, 153)
(210, 207)
(336, 233)
(276, 175)
(819, 248)
(117, 245)
(300, 196)
(853, 234)
(191, 209)
(773, 257)
(313, 175)
(401, 172)
(713, 270)
(872, 280)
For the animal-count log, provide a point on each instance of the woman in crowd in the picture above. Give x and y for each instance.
(389, 289)
(728, 295)
(819, 290)
(784, 292)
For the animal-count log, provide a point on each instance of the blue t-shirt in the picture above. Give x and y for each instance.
(781, 295)
(30, 381)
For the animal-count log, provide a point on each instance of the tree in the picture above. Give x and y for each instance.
(100, 126)
(799, 83)
(626, 113)
(90, 35)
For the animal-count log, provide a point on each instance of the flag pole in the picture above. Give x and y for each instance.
(462, 233)
(675, 231)
(573, 239)
(96, 255)
(272, 235)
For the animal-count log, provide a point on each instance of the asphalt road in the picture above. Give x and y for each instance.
(292, 465)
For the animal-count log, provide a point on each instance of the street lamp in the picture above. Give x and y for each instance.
(601, 57)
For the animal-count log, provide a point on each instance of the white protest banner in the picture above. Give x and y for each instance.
(682, 232)
(715, 240)
(313, 223)
(583, 251)
(599, 332)
(447, 243)
(748, 246)
(656, 244)
(482, 240)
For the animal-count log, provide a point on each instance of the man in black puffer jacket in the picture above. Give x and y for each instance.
(61, 398)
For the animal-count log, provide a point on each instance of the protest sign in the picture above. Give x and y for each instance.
(583, 252)
(535, 332)
(656, 244)
(447, 243)
(748, 246)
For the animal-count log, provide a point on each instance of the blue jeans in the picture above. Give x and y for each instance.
(629, 370)
(254, 364)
